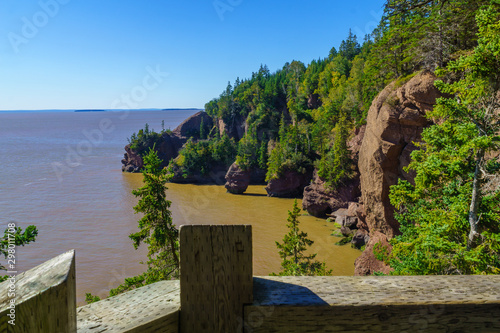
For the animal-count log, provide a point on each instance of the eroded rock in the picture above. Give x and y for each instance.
(395, 120)
(290, 185)
(237, 180)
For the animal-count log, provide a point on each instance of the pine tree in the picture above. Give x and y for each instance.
(156, 229)
(449, 218)
(294, 261)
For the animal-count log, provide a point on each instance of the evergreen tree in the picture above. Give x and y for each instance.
(449, 218)
(156, 229)
(294, 261)
(335, 165)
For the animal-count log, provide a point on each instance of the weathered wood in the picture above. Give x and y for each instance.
(149, 309)
(45, 298)
(375, 304)
(216, 277)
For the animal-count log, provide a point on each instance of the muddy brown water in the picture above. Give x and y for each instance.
(64, 176)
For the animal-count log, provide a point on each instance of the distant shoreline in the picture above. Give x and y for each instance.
(98, 110)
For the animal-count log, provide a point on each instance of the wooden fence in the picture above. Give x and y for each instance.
(217, 292)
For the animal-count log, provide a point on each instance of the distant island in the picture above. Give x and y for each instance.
(171, 109)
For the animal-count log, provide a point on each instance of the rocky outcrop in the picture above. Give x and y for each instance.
(319, 201)
(167, 149)
(360, 238)
(313, 102)
(234, 128)
(132, 162)
(395, 121)
(237, 180)
(191, 126)
(367, 263)
(290, 185)
(170, 143)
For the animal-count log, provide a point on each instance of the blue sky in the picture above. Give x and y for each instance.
(74, 54)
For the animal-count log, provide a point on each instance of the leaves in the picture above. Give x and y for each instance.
(447, 205)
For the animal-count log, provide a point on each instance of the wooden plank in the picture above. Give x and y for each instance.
(196, 278)
(216, 277)
(149, 309)
(45, 298)
(375, 304)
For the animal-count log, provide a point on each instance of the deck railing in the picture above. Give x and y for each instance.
(217, 292)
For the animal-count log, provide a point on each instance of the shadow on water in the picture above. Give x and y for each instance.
(254, 194)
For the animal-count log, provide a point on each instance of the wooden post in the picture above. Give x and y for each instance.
(45, 298)
(216, 277)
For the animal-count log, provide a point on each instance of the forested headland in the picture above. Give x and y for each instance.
(400, 128)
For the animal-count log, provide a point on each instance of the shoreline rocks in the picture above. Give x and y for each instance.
(320, 201)
(237, 180)
(290, 185)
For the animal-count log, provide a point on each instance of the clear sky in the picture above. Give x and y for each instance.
(76, 54)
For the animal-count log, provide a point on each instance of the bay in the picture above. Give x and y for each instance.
(61, 171)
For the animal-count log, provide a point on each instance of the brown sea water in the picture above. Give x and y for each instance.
(61, 171)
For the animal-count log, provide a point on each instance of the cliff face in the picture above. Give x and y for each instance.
(192, 125)
(395, 121)
(319, 201)
(235, 128)
(381, 150)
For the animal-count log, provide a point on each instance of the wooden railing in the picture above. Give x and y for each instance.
(218, 293)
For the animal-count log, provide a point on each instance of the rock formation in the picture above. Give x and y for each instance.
(367, 264)
(192, 125)
(234, 128)
(167, 149)
(132, 162)
(320, 201)
(395, 121)
(237, 179)
(290, 185)
(170, 143)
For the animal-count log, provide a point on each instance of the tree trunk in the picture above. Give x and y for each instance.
(476, 197)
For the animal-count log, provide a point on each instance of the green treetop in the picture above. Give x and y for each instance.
(156, 229)
(294, 261)
(18, 237)
(450, 217)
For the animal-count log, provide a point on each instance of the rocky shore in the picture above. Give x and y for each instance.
(380, 150)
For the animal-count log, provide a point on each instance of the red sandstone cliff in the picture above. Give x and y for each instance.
(395, 121)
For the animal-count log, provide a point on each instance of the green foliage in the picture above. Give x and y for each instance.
(335, 164)
(449, 222)
(293, 152)
(412, 35)
(156, 228)
(344, 240)
(248, 151)
(199, 157)
(263, 155)
(18, 237)
(294, 261)
(144, 139)
(89, 298)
